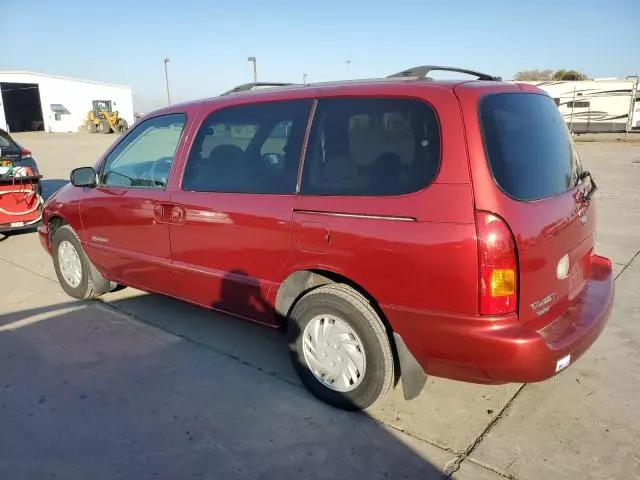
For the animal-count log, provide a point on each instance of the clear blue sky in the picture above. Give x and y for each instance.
(208, 41)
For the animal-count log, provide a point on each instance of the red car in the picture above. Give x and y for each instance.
(20, 187)
(393, 228)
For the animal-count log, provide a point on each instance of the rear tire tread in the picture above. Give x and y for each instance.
(94, 279)
(364, 307)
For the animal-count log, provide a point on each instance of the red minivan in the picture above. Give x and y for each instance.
(392, 228)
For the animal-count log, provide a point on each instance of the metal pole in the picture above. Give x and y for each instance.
(255, 68)
(166, 78)
(572, 107)
(348, 62)
(634, 94)
(304, 78)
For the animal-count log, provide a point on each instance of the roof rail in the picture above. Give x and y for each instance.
(423, 71)
(245, 87)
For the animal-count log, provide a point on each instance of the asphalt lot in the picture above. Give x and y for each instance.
(137, 386)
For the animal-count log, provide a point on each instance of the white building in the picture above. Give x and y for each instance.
(35, 101)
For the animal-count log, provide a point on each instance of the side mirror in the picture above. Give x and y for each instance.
(83, 177)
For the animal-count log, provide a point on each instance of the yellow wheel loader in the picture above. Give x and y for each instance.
(102, 119)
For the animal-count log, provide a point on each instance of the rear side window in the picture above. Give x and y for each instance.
(528, 146)
(371, 147)
(252, 148)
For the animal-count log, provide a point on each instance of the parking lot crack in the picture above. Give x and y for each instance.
(415, 436)
(628, 264)
(455, 465)
(18, 265)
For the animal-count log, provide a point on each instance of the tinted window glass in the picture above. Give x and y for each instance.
(528, 146)
(248, 149)
(371, 146)
(7, 144)
(144, 157)
(577, 104)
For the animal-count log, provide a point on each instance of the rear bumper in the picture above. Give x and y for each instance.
(7, 227)
(20, 207)
(501, 349)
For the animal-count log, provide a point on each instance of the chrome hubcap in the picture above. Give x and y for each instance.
(334, 353)
(69, 262)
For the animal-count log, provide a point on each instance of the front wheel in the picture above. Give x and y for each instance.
(340, 347)
(122, 126)
(103, 126)
(77, 276)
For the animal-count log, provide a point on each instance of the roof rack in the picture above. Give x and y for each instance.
(245, 87)
(423, 71)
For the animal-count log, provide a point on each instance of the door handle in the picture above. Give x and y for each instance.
(178, 215)
(169, 213)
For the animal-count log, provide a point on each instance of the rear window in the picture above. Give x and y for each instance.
(6, 144)
(528, 146)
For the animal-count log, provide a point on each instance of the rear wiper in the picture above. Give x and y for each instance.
(581, 177)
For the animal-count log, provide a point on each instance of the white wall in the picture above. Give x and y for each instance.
(3, 120)
(76, 96)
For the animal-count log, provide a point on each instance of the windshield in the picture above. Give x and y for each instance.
(528, 146)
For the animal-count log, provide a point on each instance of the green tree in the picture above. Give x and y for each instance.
(569, 75)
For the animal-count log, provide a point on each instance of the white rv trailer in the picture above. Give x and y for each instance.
(595, 105)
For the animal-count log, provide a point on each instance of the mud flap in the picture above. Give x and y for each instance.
(413, 376)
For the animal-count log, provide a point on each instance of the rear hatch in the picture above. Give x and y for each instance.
(526, 171)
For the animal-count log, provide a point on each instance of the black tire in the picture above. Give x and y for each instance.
(348, 305)
(104, 127)
(91, 127)
(92, 284)
(122, 126)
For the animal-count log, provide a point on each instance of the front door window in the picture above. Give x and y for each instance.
(144, 157)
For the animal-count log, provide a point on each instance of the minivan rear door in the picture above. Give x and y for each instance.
(526, 170)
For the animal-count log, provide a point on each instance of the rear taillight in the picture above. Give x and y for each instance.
(498, 265)
(25, 153)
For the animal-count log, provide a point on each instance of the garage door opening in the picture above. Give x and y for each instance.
(22, 108)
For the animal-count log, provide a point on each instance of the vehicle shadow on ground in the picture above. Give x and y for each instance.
(93, 394)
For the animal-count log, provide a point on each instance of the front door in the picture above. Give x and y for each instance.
(125, 218)
(236, 199)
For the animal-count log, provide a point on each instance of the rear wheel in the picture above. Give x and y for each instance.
(340, 347)
(91, 127)
(103, 126)
(76, 274)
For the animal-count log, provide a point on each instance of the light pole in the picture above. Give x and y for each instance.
(304, 78)
(166, 78)
(348, 62)
(255, 68)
